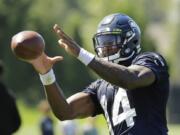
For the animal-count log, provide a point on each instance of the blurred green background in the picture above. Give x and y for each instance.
(159, 21)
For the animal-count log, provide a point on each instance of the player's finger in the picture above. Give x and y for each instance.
(56, 27)
(60, 32)
(56, 59)
(63, 44)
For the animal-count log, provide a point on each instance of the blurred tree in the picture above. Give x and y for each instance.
(78, 18)
(12, 20)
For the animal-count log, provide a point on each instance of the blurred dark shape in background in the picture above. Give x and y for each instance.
(46, 122)
(10, 120)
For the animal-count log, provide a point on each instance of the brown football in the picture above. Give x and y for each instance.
(27, 45)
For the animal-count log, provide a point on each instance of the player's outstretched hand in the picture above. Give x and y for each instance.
(44, 63)
(70, 46)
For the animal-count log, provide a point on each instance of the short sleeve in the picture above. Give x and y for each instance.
(155, 62)
(92, 89)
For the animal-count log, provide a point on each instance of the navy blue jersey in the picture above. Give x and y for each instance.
(141, 111)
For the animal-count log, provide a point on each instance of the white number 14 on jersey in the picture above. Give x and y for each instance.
(127, 114)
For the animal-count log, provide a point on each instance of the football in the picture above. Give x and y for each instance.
(27, 45)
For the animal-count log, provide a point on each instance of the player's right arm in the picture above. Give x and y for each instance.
(77, 106)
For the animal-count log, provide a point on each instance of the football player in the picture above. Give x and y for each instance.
(133, 92)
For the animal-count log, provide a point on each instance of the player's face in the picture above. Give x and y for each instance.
(107, 51)
(106, 45)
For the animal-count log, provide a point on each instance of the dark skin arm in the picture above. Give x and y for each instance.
(78, 105)
(127, 77)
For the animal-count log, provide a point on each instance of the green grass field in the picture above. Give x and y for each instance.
(31, 117)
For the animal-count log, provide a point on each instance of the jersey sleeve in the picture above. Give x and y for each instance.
(155, 62)
(92, 89)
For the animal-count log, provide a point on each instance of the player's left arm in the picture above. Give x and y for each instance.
(128, 77)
